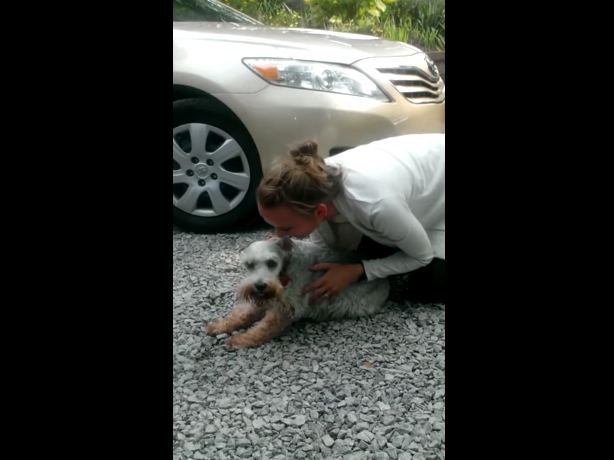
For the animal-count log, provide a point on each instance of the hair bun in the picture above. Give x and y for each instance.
(307, 149)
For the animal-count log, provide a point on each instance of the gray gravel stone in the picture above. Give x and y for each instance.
(388, 419)
(362, 426)
(356, 456)
(366, 436)
(258, 423)
(327, 440)
(191, 446)
(297, 420)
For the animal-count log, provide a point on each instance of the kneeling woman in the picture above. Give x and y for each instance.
(384, 200)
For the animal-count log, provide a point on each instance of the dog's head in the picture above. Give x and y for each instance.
(265, 262)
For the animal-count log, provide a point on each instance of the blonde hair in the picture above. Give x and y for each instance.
(301, 181)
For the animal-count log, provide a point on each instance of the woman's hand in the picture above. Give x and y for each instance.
(331, 283)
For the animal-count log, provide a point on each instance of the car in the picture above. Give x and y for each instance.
(244, 94)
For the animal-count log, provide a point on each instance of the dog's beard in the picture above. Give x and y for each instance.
(248, 292)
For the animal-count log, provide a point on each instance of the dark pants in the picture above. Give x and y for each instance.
(424, 285)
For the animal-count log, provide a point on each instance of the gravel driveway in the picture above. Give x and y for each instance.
(371, 388)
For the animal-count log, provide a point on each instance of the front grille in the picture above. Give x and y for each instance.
(417, 85)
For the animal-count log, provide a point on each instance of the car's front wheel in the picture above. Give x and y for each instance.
(216, 168)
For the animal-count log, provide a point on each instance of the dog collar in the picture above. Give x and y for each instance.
(284, 279)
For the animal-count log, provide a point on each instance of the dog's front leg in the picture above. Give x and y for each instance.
(243, 315)
(274, 322)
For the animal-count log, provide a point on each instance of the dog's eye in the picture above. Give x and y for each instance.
(249, 265)
(271, 264)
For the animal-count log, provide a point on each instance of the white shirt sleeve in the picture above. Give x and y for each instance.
(396, 223)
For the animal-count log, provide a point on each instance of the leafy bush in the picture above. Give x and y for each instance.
(271, 12)
(346, 12)
(419, 22)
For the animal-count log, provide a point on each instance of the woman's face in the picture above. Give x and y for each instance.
(287, 222)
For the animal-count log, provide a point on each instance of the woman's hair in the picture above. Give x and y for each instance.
(301, 181)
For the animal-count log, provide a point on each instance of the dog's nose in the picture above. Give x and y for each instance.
(260, 285)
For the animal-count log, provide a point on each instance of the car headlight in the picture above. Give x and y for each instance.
(320, 76)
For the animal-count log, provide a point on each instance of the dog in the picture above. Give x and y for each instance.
(270, 297)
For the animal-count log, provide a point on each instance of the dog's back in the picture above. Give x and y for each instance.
(358, 299)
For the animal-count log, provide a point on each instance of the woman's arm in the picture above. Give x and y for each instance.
(395, 222)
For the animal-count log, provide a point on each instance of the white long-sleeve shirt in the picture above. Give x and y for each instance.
(394, 193)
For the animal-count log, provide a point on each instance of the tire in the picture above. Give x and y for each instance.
(216, 168)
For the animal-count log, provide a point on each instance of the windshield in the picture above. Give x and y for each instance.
(209, 11)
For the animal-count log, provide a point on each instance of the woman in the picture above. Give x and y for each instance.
(385, 200)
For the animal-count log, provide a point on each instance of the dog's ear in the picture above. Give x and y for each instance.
(285, 243)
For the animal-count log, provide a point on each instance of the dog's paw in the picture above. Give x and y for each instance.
(214, 328)
(237, 341)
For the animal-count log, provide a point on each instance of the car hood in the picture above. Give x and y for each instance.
(293, 43)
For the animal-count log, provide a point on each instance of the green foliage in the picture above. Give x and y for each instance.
(249, 7)
(271, 12)
(337, 12)
(419, 22)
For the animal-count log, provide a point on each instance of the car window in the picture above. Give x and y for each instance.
(208, 11)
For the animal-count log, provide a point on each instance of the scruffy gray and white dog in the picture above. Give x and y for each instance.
(270, 297)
